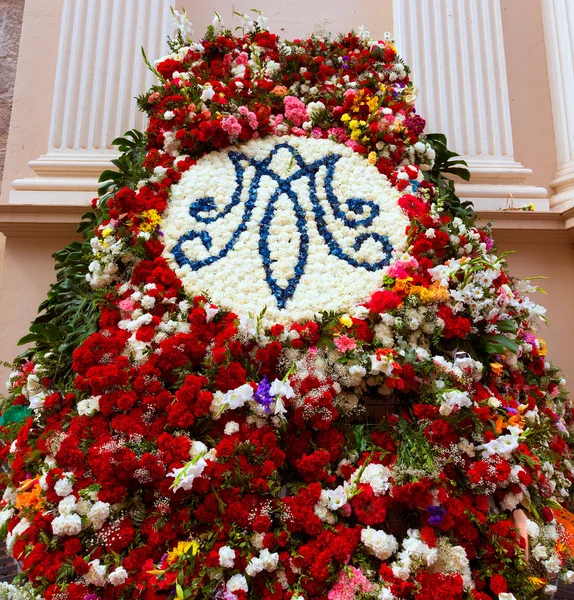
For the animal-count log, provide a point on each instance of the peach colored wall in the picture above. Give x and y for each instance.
(296, 18)
(555, 261)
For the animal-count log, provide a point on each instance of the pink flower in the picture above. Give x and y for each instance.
(345, 343)
(251, 116)
(350, 582)
(242, 59)
(231, 125)
(295, 110)
(127, 304)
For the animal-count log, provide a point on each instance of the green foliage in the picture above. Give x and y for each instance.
(448, 163)
(67, 316)
(70, 312)
(129, 164)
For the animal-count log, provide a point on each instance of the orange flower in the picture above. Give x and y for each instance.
(496, 368)
(31, 499)
(402, 285)
(280, 90)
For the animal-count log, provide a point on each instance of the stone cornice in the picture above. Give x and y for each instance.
(61, 220)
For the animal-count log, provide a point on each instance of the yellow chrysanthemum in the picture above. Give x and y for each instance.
(151, 220)
(372, 158)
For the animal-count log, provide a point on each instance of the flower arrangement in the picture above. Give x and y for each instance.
(243, 430)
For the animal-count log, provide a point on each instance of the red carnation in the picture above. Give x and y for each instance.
(384, 301)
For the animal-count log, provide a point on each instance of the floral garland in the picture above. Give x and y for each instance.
(410, 442)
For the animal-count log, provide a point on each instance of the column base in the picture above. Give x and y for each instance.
(496, 184)
(62, 179)
(562, 200)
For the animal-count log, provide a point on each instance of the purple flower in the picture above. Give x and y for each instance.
(92, 597)
(436, 514)
(262, 394)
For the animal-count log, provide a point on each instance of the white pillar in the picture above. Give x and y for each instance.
(558, 17)
(99, 73)
(456, 51)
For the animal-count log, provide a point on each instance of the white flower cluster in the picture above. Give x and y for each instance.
(185, 476)
(444, 558)
(379, 543)
(543, 546)
(244, 396)
(71, 510)
(238, 281)
(266, 561)
(107, 250)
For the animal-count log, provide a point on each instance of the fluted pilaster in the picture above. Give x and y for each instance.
(99, 72)
(456, 51)
(558, 17)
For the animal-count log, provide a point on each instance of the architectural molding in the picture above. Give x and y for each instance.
(94, 94)
(456, 51)
(57, 220)
(558, 19)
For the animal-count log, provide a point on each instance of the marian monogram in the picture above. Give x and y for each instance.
(330, 214)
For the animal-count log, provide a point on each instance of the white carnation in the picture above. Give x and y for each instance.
(226, 557)
(98, 514)
(67, 525)
(379, 543)
(118, 577)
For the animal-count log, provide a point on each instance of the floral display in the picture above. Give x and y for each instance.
(286, 363)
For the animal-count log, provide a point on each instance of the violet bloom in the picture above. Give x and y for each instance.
(92, 597)
(436, 515)
(262, 394)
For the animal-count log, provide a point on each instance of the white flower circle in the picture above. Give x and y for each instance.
(293, 226)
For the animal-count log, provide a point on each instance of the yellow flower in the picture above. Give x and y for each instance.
(345, 118)
(373, 103)
(151, 220)
(182, 548)
(346, 321)
(541, 347)
(355, 134)
(372, 158)
(354, 124)
(107, 231)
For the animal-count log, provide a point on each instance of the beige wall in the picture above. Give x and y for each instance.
(533, 256)
(38, 53)
(28, 264)
(296, 18)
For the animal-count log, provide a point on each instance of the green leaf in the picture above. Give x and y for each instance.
(506, 326)
(506, 342)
